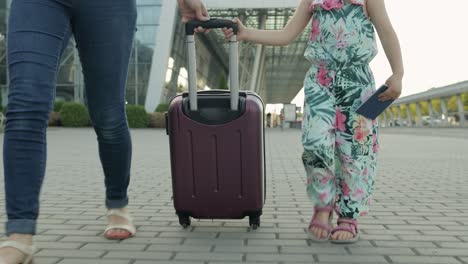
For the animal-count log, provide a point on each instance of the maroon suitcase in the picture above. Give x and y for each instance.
(217, 147)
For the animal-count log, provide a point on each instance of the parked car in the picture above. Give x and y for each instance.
(427, 121)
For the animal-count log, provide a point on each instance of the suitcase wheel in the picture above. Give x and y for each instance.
(184, 221)
(254, 221)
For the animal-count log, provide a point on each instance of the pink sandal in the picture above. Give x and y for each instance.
(352, 228)
(322, 225)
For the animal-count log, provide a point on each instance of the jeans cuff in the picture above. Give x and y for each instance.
(21, 226)
(116, 204)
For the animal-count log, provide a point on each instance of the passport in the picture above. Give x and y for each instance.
(372, 107)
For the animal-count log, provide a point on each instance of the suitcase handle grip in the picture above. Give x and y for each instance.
(233, 64)
(216, 92)
(212, 23)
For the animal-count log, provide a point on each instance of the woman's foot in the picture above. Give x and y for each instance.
(345, 232)
(11, 255)
(320, 225)
(120, 224)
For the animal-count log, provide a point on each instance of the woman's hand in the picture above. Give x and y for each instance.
(194, 9)
(394, 84)
(241, 33)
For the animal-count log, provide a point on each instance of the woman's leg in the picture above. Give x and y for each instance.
(318, 139)
(38, 31)
(104, 32)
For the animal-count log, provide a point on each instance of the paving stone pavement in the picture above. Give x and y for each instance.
(420, 211)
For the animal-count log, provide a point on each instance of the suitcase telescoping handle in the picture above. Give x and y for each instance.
(192, 63)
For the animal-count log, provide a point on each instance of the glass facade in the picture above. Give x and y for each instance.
(212, 67)
(70, 85)
(141, 59)
(212, 62)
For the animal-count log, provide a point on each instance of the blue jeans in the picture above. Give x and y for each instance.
(38, 32)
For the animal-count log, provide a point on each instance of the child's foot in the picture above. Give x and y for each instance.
(320, 225)
(342, 235)
(346, 231)
(10, 255)
(319, 231)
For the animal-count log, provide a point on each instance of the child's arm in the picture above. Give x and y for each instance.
(282, 37)
(391, 45)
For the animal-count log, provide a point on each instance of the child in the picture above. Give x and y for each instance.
(340, 146)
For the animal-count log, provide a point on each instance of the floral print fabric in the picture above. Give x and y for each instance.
(342, 34)
(340, 146)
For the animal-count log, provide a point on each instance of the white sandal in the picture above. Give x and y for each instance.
(27, 250)
(127, 227)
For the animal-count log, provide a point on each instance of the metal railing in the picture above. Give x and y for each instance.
(400, 113)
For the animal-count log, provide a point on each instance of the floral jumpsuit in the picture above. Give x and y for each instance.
(340, 146)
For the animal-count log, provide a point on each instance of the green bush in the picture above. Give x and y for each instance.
(137, 116)
(58, 106)
(54, 119)
(162, 108)
(4, 109)
(74, 115)
(157, 120)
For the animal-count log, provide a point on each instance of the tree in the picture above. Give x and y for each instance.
(394, 111)
(452, 104)
(414, 115)
(465, 101)
(436, 105)
(223, 83)
(403, 112)
(180, 88)
(424, 108)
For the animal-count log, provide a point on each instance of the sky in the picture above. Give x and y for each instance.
(433, 36)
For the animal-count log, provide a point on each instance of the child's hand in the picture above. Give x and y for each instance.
(241, 33)
(394, 84)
